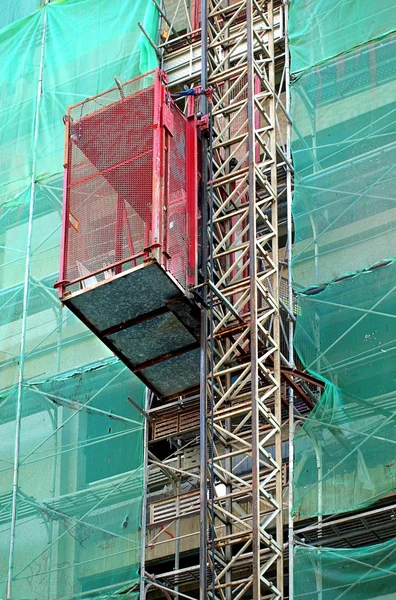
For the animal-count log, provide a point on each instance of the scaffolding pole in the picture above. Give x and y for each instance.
(289, 219)
(26, 282)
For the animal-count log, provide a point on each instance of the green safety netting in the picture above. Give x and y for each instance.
(83, 46)
(80, 485)
(79, 471)
(11, 11)
(346, 450)
(344, 152)
(346, 573)
(320, 30)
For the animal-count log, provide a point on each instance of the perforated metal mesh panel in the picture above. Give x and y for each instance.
(177, 200)
(118, 171)
(110, 180)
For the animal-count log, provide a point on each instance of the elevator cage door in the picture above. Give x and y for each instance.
(130, 186)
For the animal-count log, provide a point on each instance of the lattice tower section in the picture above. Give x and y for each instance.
(244, 512)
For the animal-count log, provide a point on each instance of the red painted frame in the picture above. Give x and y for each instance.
(192, 199)
(155, 238)
(65, 218)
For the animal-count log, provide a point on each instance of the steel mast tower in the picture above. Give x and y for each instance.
(242, 531)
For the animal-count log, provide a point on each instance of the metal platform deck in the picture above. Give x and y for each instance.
(146, 319)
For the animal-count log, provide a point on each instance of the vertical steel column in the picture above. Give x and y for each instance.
(203, 580)
(144, 501)
(275, 294)
(256, 521)
(177, 524)
(290, 305)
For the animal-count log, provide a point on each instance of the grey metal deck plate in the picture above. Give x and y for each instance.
(180, 372)
(152, 338)
(144, 317)
(125, 296)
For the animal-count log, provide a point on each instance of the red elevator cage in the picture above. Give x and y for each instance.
(129, 229)
(130, 185)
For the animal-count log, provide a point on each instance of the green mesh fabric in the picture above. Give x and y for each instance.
(11, 11)
(70, 441)
(345, 453)
(320, 30)
(80, 485)
(343, 106)
(346, 574)
(85, 45)
(344, 152)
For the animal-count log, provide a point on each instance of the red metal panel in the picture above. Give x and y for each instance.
(192, 195)
(130, 185)
(65, 212)
(64, 236)
(177, 239)
(158, 144)
(109, 189)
